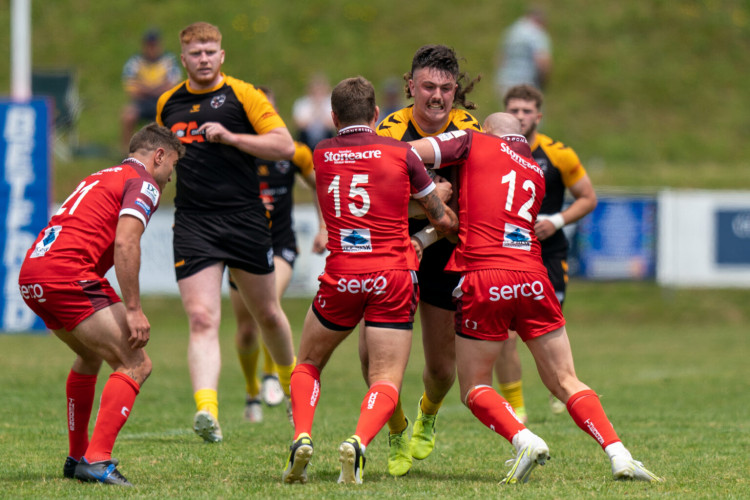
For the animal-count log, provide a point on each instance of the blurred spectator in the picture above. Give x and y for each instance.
(312, 112)
(145, 77)
(392, 96)
(524, 54)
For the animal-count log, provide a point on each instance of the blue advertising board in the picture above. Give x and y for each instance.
(618, 239)
(733, 237)
(25, 131)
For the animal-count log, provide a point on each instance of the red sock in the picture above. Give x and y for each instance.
(80, 390)
(118, 397)
(494, 411)
(588, 414)
(304, 386)
(376, 409)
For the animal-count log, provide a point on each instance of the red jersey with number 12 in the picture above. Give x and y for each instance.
(78, 243)
(363, 184)
(501, 190)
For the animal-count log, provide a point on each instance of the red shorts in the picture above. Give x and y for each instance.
(387, 299)
(67, 304)
(491, 302)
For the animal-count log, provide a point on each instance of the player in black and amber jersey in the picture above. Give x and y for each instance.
(562, 170)
(220, 219)
(437, 85)
(277, 180)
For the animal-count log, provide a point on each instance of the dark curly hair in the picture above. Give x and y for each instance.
(444, 59)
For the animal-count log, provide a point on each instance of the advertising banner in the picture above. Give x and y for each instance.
(618, 239)
(25, 131)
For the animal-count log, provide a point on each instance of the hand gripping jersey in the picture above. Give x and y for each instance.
(276, 188)
(562, 169)
(363, 184)
(78, 243)
(216, 177)
(501, 190)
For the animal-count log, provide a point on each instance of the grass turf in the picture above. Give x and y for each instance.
(669, 365)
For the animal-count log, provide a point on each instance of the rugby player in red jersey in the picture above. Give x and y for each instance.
(364, 184)
(504, 286)
(62, 280)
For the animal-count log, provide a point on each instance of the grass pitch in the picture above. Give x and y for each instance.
(670, 366)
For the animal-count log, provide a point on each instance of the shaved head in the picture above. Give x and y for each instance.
(501, 124)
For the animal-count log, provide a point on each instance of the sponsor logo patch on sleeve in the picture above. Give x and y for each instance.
(144, 206)
(151, 191)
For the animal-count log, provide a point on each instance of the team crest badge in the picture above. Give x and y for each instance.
(283, 166)
(218, 100)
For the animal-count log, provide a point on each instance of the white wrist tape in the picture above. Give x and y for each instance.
(556, 220)
(426, 236)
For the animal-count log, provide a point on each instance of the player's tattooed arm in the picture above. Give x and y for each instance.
(442, 218)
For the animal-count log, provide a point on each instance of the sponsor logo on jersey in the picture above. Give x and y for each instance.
(218, 100)
(376, 286)
(50, 235)
(447, 136)
(516, 237)
(534, 290)
(356, 240)
(151, 192)
(349, 156)
(520, 160)
(144, 206)
(196, 108)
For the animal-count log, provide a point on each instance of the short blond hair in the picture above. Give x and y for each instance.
(202, 32)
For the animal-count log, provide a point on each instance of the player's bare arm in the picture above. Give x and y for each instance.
(442, 218)
(444, 190)
(276, 144)
(127, 258)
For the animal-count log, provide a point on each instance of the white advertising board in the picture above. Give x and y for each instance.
(704, 238)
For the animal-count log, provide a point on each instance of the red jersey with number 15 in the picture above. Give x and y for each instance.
(363, 184)
(78, 243)
(501, 190)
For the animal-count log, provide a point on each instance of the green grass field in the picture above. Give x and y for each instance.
(670, 366)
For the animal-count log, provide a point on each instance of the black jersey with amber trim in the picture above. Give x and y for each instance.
(562, 169)
(402, 126)
(277, 186)
(214, 177)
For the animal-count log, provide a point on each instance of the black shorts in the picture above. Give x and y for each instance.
(435, 285)
(288, 254)
(557, 270)
(285, 245)
(240, 240)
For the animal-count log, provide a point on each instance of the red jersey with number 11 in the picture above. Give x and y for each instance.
(363, 184)
(501, 190)
(78, 243)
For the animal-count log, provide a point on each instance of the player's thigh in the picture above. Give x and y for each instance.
(106, 333)
(318, 342)
(283, 272)
(258, 292)
(388, 350)
(438, 334)
(201, 295)
(553, 356)
(474, 361)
